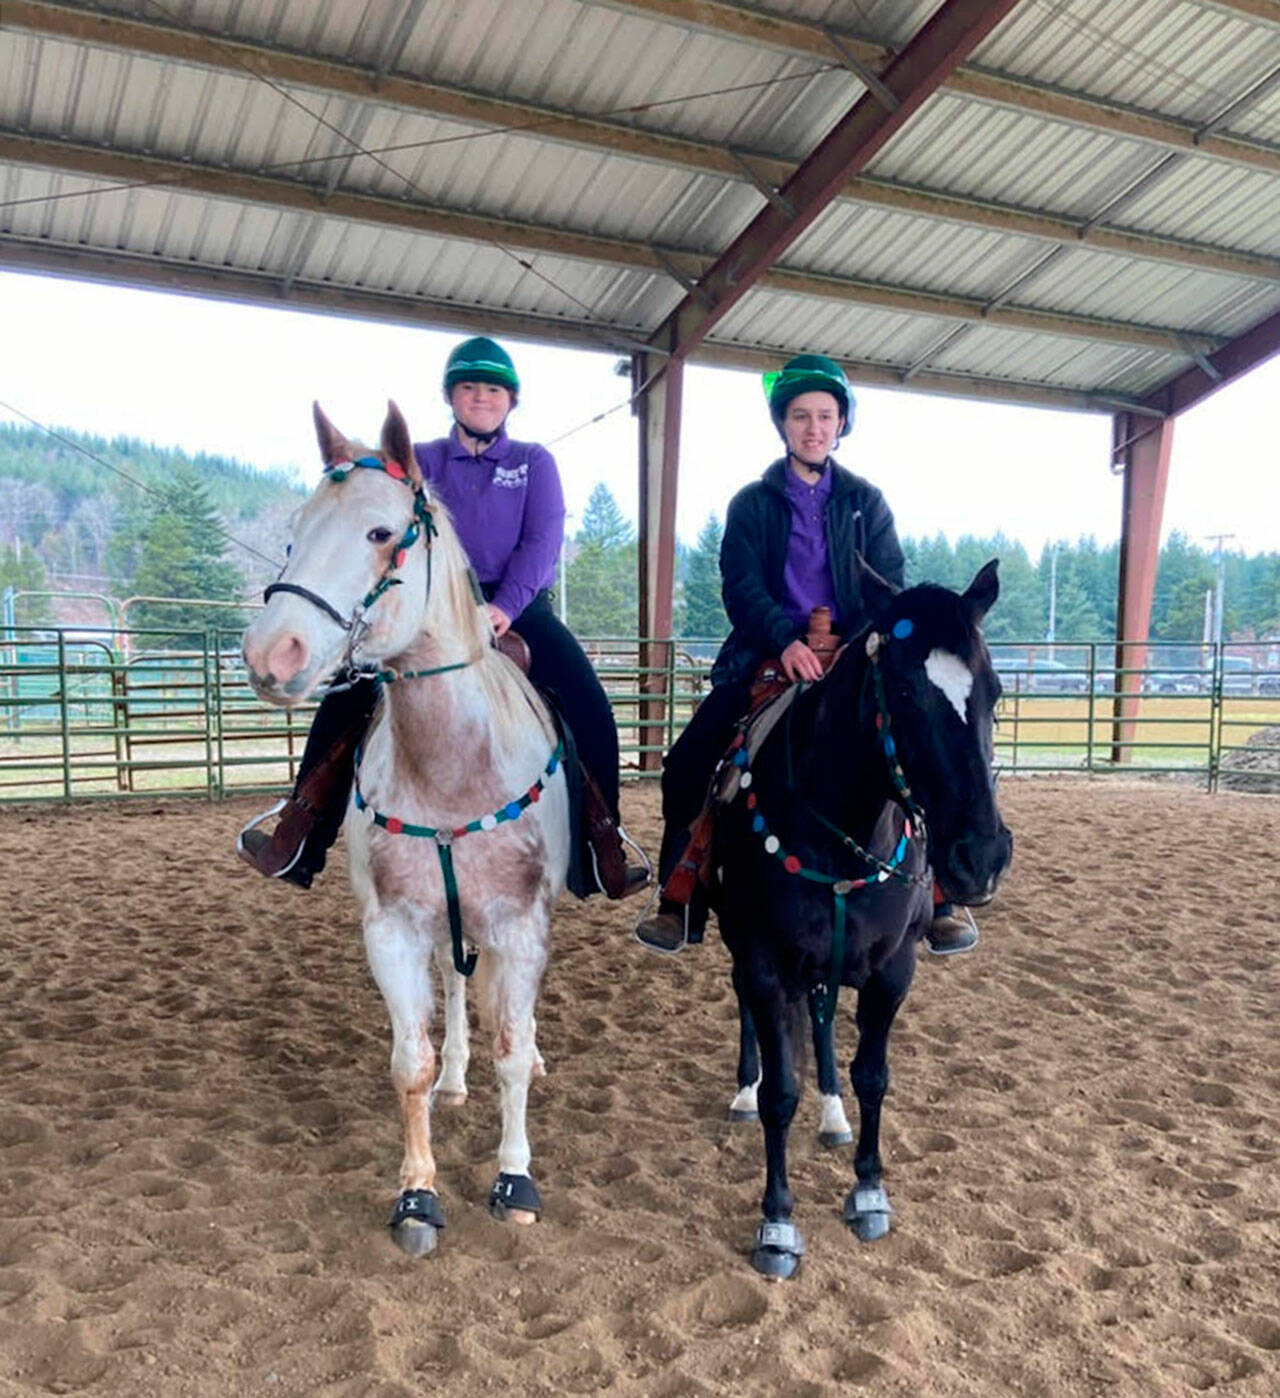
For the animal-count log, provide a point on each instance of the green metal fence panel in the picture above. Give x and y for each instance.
(82, 718)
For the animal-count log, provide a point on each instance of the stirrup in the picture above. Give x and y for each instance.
(253, 825)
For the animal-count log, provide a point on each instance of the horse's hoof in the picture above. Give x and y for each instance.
(440, 1098)
(833, 1140)
(778, 1250)
(736, 1114)
(416, 1238)
(416, 1222)
(515, 1199)
(867, 1211)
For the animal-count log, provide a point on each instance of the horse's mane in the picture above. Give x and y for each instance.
(452, 611)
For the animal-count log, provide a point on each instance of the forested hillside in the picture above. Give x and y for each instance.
(70, 521)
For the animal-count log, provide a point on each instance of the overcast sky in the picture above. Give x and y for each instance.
(238, 381)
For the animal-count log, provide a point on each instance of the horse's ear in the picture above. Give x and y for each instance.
(397, 445)
(334, 446)
(981, 594)
(877, 592)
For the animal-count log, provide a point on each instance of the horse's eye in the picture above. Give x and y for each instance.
(378, 536)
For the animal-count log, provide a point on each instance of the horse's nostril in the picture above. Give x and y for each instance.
(287, 658)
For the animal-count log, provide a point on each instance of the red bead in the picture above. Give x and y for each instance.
(395, 470)
(751, 800)
(737, 742)
(791, 864)
(460, 832)
(535, 794)
(394, 825)
(398, 560)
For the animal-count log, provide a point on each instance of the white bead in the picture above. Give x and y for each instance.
(744, 780)
(488, 822)
(771, 844)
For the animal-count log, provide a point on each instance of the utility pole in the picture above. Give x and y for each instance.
(1051, 635)
(1220, 561)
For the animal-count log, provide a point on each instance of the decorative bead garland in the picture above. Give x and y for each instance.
(513, 810)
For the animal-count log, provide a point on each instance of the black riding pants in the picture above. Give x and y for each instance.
(688, 767)
(557, 663)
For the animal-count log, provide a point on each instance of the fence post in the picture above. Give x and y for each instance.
(64, 717)
(1092, 682)
(210, 712)
(1215, 719)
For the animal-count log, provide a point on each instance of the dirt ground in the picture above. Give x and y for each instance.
(199, 1138)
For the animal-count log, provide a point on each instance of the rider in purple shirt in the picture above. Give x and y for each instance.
(505, 500)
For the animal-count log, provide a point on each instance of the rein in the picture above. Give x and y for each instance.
(464, 962)
(824, 996)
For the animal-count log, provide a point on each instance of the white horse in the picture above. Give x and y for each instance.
(458, 828)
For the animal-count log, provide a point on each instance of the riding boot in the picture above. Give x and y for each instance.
(309, 820)
(952, 931)
(615, 876)
(682, 905)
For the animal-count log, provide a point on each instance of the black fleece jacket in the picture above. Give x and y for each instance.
(753, 555)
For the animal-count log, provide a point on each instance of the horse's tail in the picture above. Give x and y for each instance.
(798, 1038)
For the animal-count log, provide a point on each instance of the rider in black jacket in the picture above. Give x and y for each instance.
(789, 544)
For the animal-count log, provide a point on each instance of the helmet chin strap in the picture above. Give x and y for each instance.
(484, 438)
(818, 466)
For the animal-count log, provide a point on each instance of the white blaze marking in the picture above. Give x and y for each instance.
(953, 677)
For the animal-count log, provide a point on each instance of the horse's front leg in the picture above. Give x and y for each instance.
(400, 962)
(867, 1208)
(455, 1053)
(778, 1246)
(511, 991)
(745, 1106)
(834, 1129)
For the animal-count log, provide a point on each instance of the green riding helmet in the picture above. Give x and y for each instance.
(480, 360)
(808, 373)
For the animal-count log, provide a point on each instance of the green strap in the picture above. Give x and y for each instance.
(464, 965)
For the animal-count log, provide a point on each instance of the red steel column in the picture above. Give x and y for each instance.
(658, 413)
(1143, 446)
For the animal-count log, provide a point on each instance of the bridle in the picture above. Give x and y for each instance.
(422, 525)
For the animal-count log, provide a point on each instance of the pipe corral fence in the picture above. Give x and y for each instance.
(87, 714)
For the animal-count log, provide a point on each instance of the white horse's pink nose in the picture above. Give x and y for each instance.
(287, 655)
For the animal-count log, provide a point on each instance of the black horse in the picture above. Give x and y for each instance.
(878, 779)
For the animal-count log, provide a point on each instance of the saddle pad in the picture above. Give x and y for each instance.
(759, 725)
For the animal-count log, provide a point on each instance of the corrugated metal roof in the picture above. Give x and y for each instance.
(932, 285)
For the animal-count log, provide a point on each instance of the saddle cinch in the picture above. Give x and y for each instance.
(771, 694)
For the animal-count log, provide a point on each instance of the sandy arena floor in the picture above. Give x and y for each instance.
(199, 1138)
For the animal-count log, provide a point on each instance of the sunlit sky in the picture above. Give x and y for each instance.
(239, 380)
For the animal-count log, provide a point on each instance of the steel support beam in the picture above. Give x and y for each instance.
(950, 35)
(168, 175)
(809, 39)
(1223, 366)
(1143, 449)
(162, 41)
(256, 287)
(659, 387)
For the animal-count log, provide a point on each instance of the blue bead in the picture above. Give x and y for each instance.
(903, 627)
(889, 746)
(552, 765)
(513, 811)
(758, 824)
(740, 757)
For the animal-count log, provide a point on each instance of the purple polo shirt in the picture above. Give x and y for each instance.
(508, 509)
(806, 575)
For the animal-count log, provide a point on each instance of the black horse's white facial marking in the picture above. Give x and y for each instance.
(953, 677)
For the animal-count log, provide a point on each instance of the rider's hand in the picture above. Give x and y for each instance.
(800, 663)
(499, 620)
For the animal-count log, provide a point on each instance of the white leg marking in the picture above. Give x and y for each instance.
(953, 677)
(746, 1101)
(834, 1121)
(455, 1053)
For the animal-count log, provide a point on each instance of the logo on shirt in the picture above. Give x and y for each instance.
(512, 477)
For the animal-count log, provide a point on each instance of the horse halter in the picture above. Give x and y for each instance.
(422, 525)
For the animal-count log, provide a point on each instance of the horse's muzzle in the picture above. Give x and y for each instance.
(974, 865)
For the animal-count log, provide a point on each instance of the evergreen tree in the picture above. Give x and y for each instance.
(704, 614)
(180, 554)
(601, 584)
